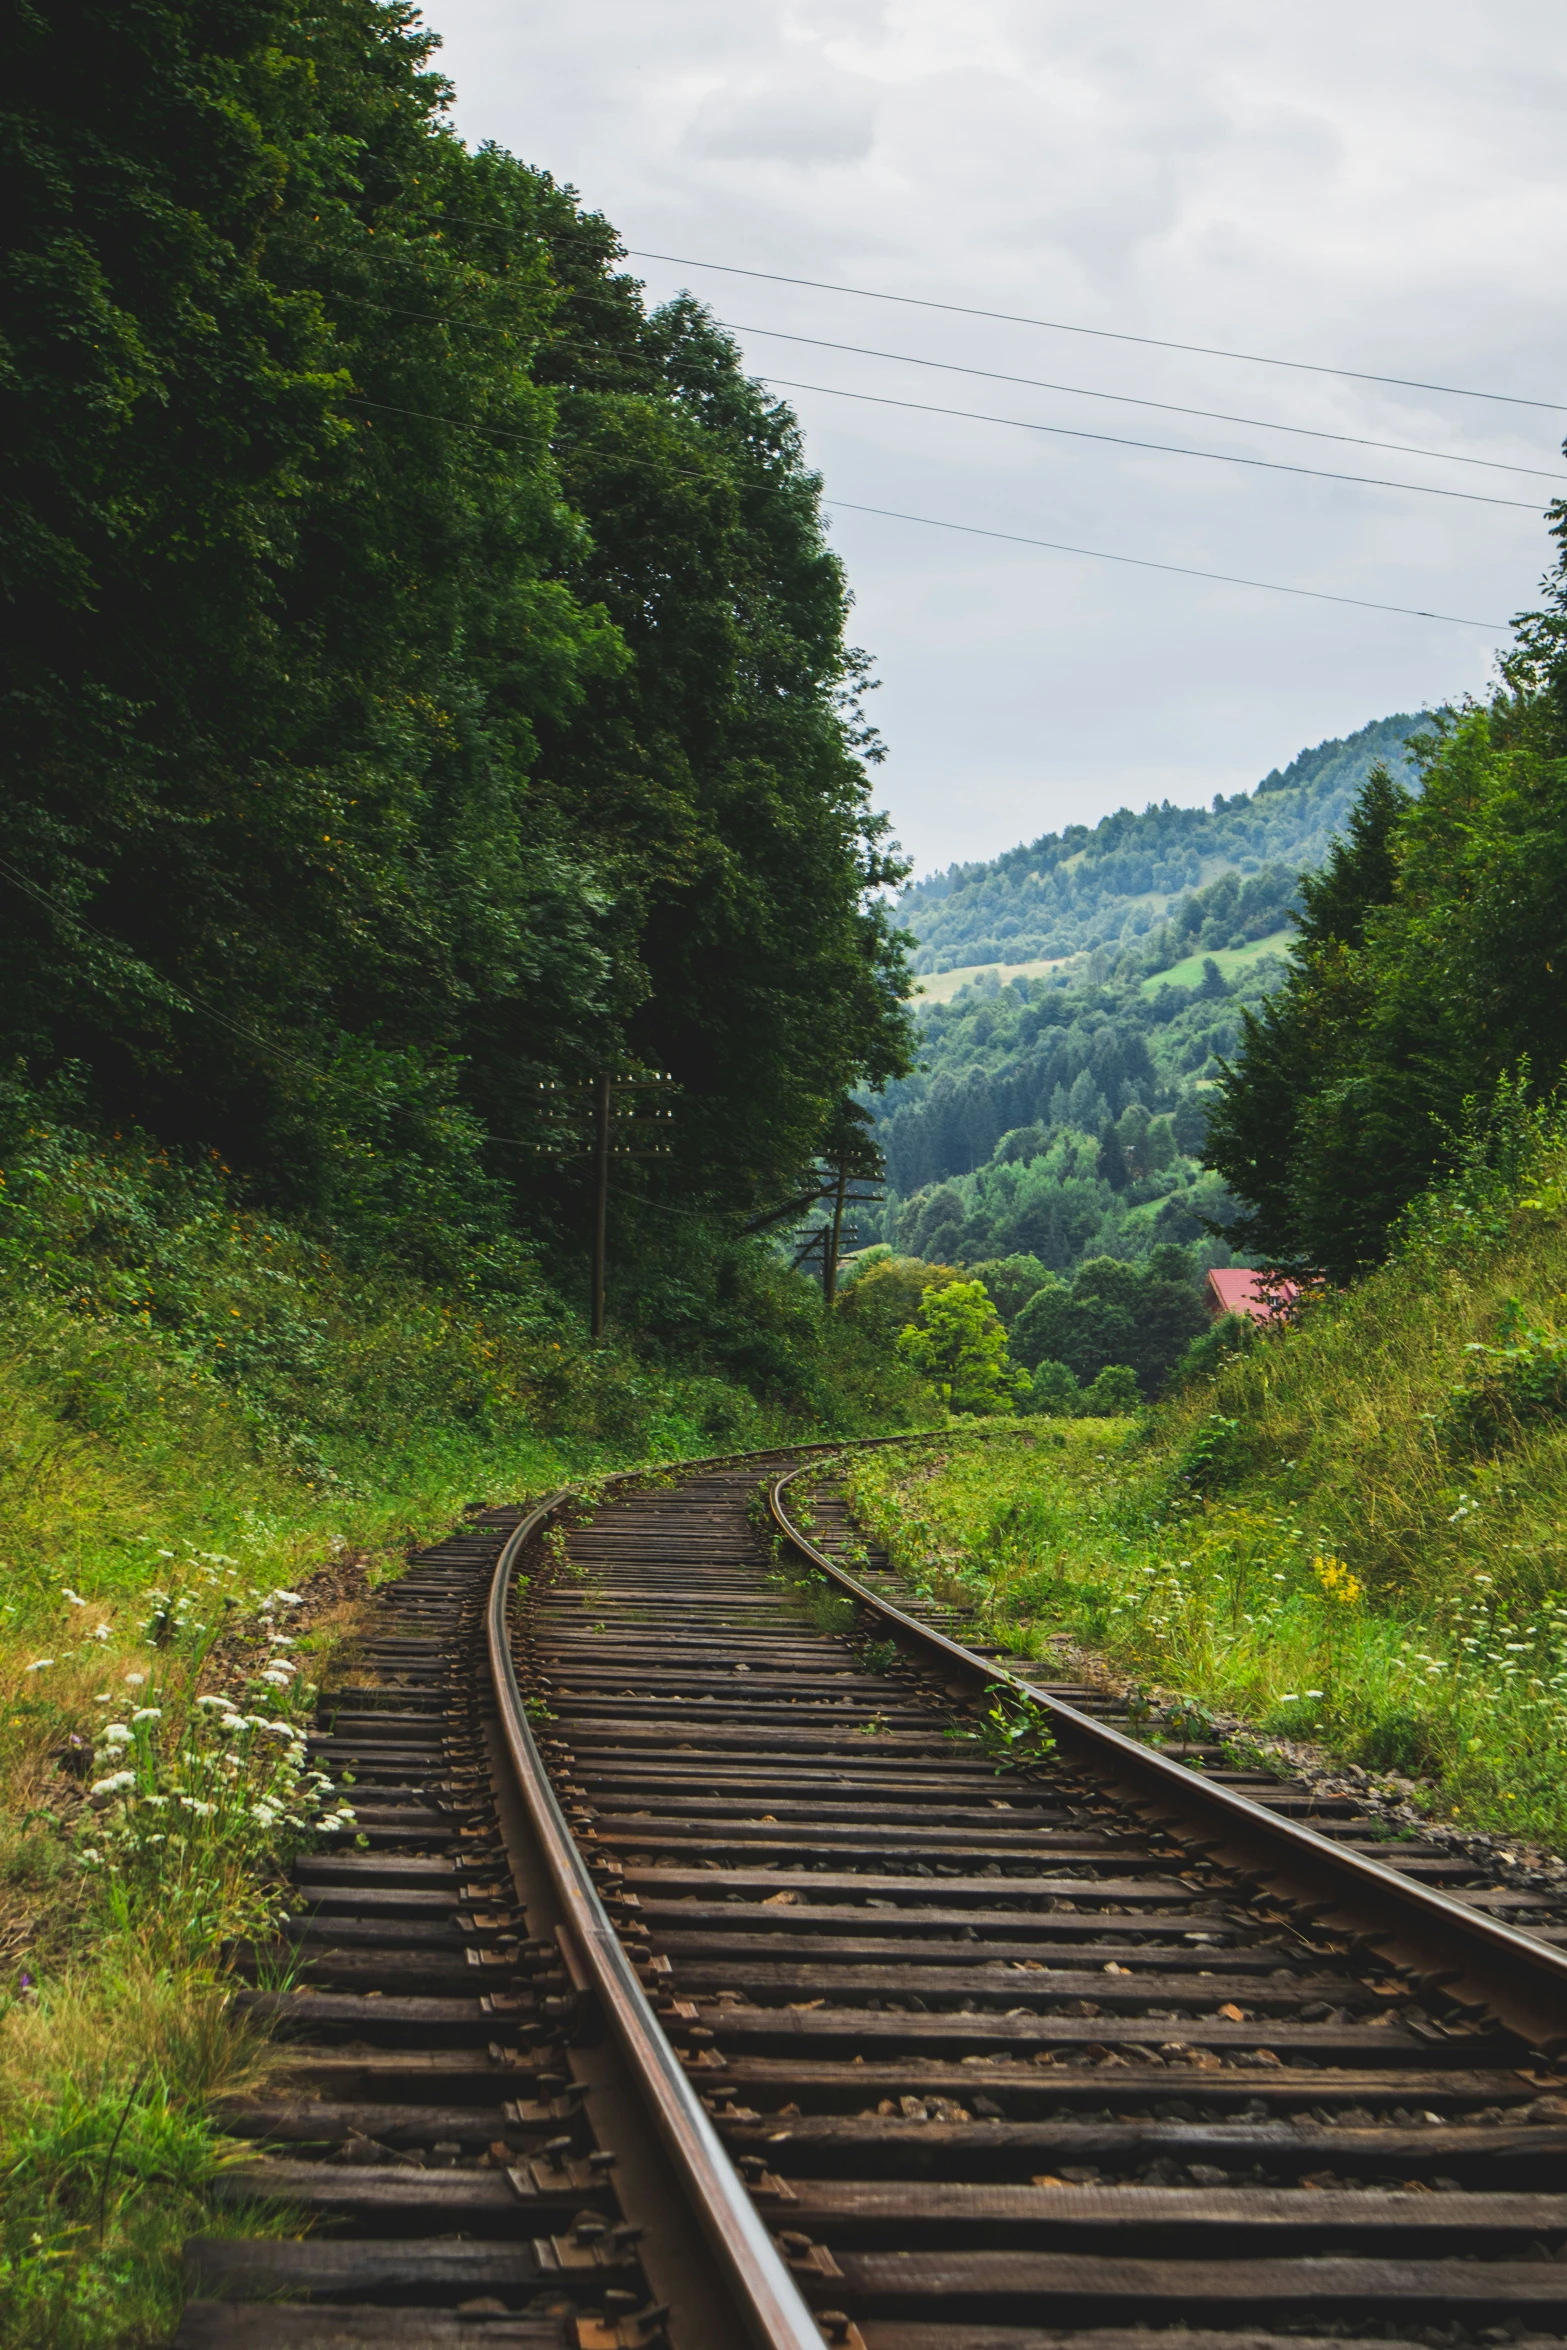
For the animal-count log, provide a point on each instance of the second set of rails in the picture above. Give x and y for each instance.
(766, 2010)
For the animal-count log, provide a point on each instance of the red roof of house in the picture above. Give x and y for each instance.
(1233, 1289)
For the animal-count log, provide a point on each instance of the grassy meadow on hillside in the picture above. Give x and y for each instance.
(1353, 1531)
(1188, 972)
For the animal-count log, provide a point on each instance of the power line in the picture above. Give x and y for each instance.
(1132, 400)
(1102, 334)
(1116, 440)
(1011, 318)
(1270, 587)
(996, 375)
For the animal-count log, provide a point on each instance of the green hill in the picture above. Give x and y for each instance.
(1065, 1116)
(1116, 882)
(1351, 1533)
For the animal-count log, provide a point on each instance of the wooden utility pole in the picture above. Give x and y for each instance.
(830, 1260)
(574, 1135)
(601, 1108)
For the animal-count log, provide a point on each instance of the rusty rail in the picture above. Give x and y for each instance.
(769, 2303)
(1477, 1958)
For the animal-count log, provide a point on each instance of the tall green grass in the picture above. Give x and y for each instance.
(201, 1406)
(1354, 1530)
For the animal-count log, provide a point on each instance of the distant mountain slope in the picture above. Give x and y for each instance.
(1110, 884)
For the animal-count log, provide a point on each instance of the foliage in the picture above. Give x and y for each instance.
(1124, 878)
(427, 673)
(1063, 1122)
(888, 1295)
(1349, 1529)
(1011, 1281)
(1226, 1335)
(105, 2080)
(1521, 1376)
(1111, 1393)
(1054, 1389)
(1425, 979)
(1142, 1316)
(1013, 1729)
(959, 1343)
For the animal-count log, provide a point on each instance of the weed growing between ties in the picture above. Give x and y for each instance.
(1351, 1532)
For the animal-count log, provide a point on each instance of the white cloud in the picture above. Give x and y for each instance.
(1375, 188)
(801, 120)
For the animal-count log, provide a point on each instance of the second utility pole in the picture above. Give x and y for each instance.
(601, 1116)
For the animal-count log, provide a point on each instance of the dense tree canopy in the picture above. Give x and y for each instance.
(425, 672)
(1140, 1316)
(1136, 879)
(1431, 968)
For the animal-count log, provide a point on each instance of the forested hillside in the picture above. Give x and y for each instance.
(1424, 1013)
(1065, 1121)
(425, 674)
(1117, 883)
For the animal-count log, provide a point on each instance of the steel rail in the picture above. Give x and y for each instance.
(772, 2309)
(1479, 1959)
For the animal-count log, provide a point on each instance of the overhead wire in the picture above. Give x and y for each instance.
(1136, 400)
(1016, 538)
(777, 277)
(1105, 334)
(582, 294)
(1074, 432)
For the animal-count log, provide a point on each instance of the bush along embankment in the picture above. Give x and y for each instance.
(1350, 1531)
(216, 1435)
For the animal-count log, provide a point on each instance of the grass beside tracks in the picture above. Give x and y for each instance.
(1352, 1531)
(215, 1439)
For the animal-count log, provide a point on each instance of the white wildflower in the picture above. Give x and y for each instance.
(116, 1782)
(39, 1664)
(74, 1598)
(148, 1713)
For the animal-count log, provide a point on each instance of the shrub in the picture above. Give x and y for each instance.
(960, 1344)
(1112, 1394)
(1054, 1389)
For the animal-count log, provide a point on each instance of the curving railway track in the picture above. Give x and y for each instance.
(700, 1979)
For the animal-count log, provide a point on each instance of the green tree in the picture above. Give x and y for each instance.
(888, 1295)
(1054, 1389)
(959, 1343)
(1432, 965)
(1291, 1042)
(1113, 1392)
(1115, 1313)
(426, 671)
(1011, 1282)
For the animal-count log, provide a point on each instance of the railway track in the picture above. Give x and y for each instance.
(702, 1980)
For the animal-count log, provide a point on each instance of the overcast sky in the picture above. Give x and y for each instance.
(1373, 187)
